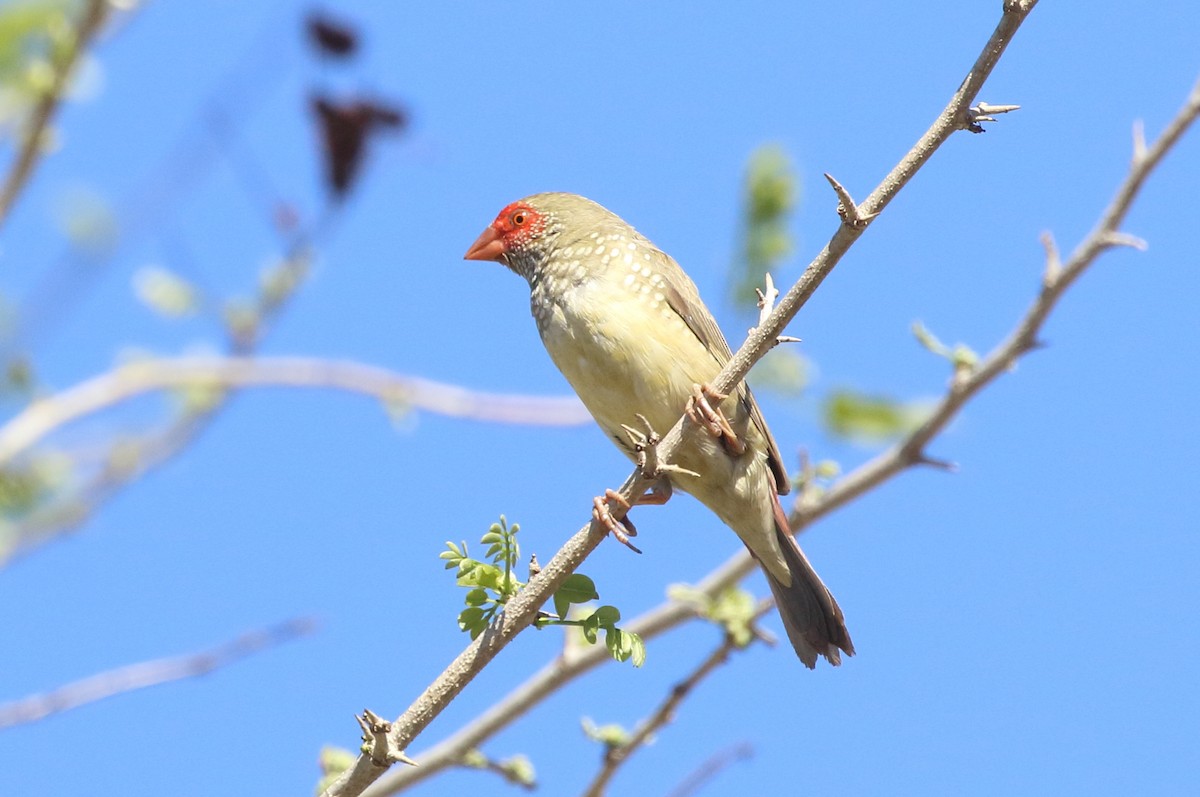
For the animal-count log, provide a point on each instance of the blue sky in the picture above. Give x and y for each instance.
(1025, 625)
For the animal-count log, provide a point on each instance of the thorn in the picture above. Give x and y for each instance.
(940, 464)
(535, 567)
(1139, 141)
(1053, 261)
(766, 298)
(982, 112)
(401, 758)
(847, 210)
(668, 468)
(1113, 238)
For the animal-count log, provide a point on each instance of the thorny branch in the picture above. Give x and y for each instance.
(522, 610)
(1059, 276)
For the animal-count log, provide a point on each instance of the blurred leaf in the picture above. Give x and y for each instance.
(333, 761)
(783, 370)
(519, 769)
(609, 735)
(857, 416)
(88, 221)
(769, 197)
(331, 37)
(165, 292)
(345, 129)
(29, 33)
(733, 610)
(961, 356)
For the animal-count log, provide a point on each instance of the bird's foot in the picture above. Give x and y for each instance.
(700, 408)
(645, 449)
(622, 529)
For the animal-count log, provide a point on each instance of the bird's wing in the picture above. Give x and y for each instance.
(684, 298)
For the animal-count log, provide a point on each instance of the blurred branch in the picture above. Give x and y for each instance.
(711, 766)
(90, 22)
(665, 713)
(149, 673)
(233, 373)
(388, 744)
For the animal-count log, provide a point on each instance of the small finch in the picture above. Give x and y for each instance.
(627, 328)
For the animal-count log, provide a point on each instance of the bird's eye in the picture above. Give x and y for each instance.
(519, 218)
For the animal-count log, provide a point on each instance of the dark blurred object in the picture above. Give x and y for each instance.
(345, 128)
(331, 37)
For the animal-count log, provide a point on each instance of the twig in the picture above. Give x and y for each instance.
(90, 22)
(129, 381)
(149, 673)
(665, 713)
(522, 610)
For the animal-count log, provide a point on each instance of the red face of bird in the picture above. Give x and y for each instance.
(516, 226)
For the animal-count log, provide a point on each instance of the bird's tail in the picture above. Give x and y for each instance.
(811, 616)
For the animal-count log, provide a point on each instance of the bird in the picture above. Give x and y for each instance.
(627, 328)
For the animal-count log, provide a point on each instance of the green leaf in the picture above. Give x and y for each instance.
(607, 616)
(577, 588)
(476, 597)
(472, 619)
(625, 646)
(480, 575)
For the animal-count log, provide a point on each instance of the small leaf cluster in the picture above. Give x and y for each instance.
(490, 583)
(517, 770)
(733, 609)
(622, 645)
(961, 356)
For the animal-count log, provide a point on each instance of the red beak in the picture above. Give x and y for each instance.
(488, 246)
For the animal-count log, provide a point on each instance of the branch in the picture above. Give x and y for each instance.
(522, 610)
(1058, 278)
(90, 22)
(665, 713)
(149, 673)
(126, 382)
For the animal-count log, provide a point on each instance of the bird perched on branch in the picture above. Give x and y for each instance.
(627, 328)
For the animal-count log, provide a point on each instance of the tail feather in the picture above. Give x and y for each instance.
(812, 618)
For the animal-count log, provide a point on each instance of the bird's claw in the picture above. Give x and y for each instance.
(700, 410)
(645, 450)
(622, 529)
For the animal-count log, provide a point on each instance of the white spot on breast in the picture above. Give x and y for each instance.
(646, 256)
(629, 280)
(628, 258)
(598, 249)
(615, 252)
